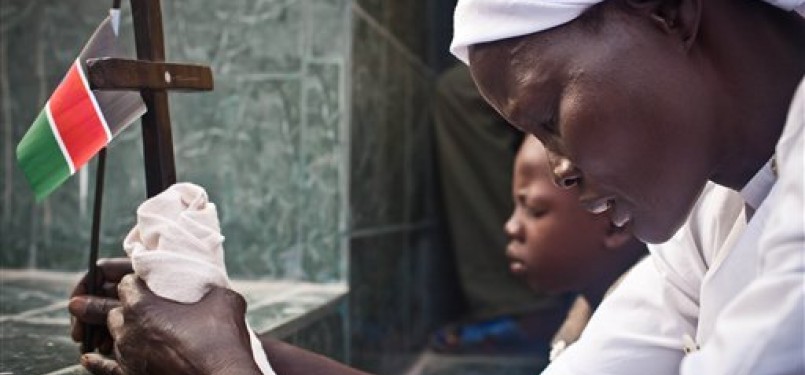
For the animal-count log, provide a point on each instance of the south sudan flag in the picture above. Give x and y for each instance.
(76, 122)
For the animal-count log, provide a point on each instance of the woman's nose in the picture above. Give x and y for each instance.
(565, 174)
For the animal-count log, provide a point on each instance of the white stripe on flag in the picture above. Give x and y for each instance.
(114, 13)
(94, 101)
(56, 135)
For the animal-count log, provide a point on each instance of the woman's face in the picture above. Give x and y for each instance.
(621, 110)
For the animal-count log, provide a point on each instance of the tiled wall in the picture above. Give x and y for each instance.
(401, 278)
(269, 143)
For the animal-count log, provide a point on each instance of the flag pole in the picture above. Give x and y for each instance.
(90, 332)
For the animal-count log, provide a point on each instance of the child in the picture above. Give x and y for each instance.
(475, 193)
(555, 245)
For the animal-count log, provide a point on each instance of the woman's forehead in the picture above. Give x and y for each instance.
(521, 72)
(532, 162)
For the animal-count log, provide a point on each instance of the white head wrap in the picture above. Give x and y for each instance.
(480, 21)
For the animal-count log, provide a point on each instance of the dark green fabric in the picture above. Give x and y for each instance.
(476, 150)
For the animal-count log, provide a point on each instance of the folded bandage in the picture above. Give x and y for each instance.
(176, 248)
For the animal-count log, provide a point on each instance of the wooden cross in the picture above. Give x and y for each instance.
(154, 78)
(150, 74)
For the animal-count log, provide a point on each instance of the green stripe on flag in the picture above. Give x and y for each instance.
(41, 159)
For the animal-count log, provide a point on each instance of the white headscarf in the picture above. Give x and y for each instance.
(479, 21)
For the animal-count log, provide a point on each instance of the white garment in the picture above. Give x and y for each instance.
(762, 329)
(739, 289)
(176, 247)
(480, 21)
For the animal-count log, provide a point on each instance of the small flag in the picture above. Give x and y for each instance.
(76, 122)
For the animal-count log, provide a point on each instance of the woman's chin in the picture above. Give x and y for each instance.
(653, 234)
(657, 229)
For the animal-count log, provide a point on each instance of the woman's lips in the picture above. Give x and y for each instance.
(619, 216)
(597, 206)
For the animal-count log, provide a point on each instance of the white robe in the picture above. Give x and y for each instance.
(735, 288)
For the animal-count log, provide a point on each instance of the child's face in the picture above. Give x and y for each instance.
(554, 243)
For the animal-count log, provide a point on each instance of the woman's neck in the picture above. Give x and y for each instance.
(760, 60)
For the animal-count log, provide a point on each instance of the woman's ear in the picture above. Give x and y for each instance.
(674, 17)
(617, 237)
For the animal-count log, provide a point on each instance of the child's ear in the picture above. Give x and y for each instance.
(617, 236)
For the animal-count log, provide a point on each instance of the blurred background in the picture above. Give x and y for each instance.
(317, 146)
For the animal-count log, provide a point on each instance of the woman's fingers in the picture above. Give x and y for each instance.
(99, 365)
(109, 289)
(131, 290)
(90, 310)
(115, 322)
(113, 269)
(105, 343)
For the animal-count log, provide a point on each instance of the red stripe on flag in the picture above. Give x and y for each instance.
(77, 118)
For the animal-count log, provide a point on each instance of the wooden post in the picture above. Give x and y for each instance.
(153, 77)
(160, 168)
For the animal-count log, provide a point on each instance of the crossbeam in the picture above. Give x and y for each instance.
(154, 77)
(124, 74)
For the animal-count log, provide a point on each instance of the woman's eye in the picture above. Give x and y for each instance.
(551, 125)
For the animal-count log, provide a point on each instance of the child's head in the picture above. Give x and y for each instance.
(554, 243)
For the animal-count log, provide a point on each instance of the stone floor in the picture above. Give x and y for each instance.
(34, 323)
(431, 363)
(34, 326)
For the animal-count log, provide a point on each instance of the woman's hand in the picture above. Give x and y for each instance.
(153, 335)
(93, 310)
